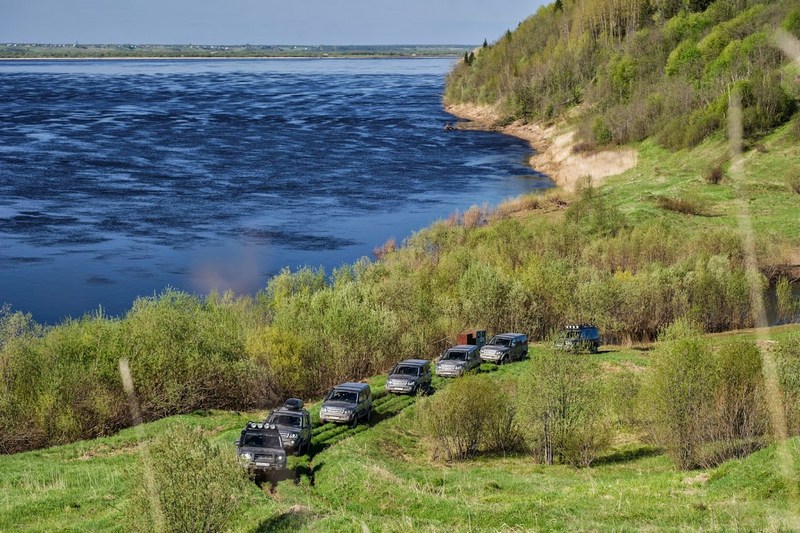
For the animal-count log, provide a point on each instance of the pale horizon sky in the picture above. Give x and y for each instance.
(308, 22)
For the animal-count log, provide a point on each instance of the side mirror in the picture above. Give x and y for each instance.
(236, 443)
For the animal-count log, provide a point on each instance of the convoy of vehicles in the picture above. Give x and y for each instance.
(262, 446)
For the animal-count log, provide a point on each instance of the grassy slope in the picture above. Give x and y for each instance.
(382, 477)
(660, 172)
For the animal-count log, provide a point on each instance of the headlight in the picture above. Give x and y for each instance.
(247, 456)
(409, 383)
(281, 458)
(293, 435)
(348, 411)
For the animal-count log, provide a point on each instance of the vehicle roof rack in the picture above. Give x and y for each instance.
(580, 326)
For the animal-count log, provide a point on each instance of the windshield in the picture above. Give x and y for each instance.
(500, 341)
(406, 370)
(343, 396)
(455, 356)
(261, 440)
(285, 420)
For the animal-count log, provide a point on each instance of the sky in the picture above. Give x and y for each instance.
(312, 22)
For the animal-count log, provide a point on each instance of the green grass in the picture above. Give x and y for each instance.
(382, 477)
(765, 188)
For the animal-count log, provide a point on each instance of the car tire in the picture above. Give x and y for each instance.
(354, 422)
(369, 414)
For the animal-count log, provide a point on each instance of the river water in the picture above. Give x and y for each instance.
(121, 178)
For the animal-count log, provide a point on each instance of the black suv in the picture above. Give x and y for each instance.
(505, 348)
(347, 404)
(294, 425)
(579, 338)
(260, 449)
(410, 376)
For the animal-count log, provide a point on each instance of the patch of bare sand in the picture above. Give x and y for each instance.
(554, 150)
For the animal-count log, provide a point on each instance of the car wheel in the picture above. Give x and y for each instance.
(369, 415)
(354, 422)
(595, 347)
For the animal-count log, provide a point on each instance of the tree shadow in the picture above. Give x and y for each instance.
(627, 454)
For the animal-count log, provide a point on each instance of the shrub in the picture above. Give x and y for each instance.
(473, 415)
(183, 482)
(714, 174)
(787, 306)
(705, 406)
(787, 357)
(679, 387)
(794, 184)
(560, 410)
(684, 205)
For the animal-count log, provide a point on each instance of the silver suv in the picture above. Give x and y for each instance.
(505, 348)
(260, 449)
(347, 403)
(294, 425)
(409, 377)
(457, 360)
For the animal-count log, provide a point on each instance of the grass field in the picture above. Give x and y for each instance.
(381, 477)
(766, 187)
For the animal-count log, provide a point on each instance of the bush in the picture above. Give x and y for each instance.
(685, 205)
(714, 174)
(560, 410)
(794, 184)
(183, 482)
(473, 415)
(787, 357)
(705, 406)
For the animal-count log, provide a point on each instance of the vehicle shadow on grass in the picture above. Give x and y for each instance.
(291, 520)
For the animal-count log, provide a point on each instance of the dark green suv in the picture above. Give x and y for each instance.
(579, 338)
(294, 425)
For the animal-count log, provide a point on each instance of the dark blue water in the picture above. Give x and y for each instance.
(119, 178)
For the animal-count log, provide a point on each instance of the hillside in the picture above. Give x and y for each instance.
(383, 478)
(624, 72)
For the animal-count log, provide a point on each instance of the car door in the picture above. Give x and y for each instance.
(474, 359)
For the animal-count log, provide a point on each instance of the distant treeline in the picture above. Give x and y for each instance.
(70, 51)
(309, 330)
(641, 68)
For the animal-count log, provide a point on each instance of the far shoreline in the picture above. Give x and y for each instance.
(223, 58)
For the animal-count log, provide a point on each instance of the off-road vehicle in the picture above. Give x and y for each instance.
(294, 425)
(579, 338)
(347, 403)
(260, 449)
(505, 348)
(457, 360)
(409, 377)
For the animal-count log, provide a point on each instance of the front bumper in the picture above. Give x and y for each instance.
(401, 389)
(450, 372)
(492, 357)
(336, 417)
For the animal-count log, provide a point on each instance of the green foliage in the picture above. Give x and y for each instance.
(787, 357)
(637, 75)
(560, 409)
(787, 305)
(473, 415)
(185, 483)
(705, 406)
(792, 22)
